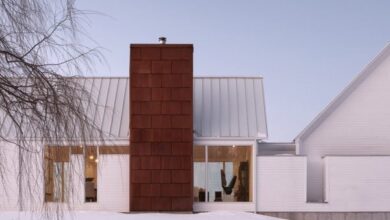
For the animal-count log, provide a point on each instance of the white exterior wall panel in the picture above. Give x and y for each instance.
(281, 183)
(358, 184)
(9, 190)
(352, 184)
(114, 182)
(358, 124)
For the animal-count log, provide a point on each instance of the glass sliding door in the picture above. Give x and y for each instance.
(227, 173)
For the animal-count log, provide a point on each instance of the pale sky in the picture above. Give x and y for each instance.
(307, 51)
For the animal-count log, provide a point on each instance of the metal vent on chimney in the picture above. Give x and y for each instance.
(162, 40)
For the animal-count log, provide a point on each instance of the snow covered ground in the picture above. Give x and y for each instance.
(89, 215)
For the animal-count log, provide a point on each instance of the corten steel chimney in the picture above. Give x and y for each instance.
(161, 127)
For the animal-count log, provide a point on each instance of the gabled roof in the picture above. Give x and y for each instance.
(344, 94)
(223, 107)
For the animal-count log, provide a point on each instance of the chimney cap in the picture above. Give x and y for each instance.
(162, 40)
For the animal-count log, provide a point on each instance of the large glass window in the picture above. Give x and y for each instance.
(91, 161)
(199, 173)
(223, 173)
(56, 173)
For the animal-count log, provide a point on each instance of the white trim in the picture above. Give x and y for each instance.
(219, 142)
(298, 146)
(345, 93)
(254, 176)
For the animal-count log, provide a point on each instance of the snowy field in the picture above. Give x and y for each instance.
(219, 215)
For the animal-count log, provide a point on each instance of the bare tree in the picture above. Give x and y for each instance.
(41, 100)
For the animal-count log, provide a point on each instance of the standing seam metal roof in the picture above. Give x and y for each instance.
(223, 107)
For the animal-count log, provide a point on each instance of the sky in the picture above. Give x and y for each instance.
(306, 51)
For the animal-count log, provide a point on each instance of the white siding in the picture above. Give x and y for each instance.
(358, 183)
(30, 179)
(359, 124)
(9, 190)
(281, 183)
(353, 184)
(113, 180)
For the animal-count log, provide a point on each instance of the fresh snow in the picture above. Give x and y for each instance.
(95, 215)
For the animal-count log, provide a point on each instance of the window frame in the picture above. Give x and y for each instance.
(208, 196)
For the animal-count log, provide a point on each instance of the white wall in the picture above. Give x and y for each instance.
(281, 183)
(360, 125)
(8, 182)
(358, 183)
(113, 182)
(31, 172)
(353, 184)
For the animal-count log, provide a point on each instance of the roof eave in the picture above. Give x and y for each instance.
(367, 70)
